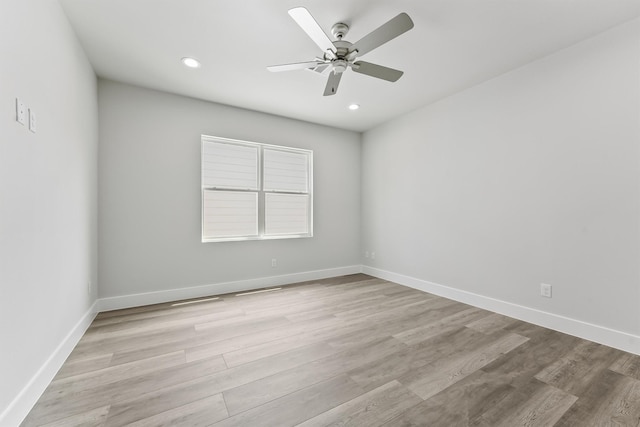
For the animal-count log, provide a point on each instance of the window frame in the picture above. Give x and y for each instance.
(261, 192)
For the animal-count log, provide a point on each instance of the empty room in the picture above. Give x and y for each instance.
(283, 213)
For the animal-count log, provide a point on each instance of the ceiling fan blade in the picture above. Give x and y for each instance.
(321, 69)
(388, 31)
(378, 71)
(309, 25)
(295, 66)
(332, 84)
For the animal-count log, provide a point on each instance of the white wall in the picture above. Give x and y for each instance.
(48, 183)
(149, 195)
(532, 177)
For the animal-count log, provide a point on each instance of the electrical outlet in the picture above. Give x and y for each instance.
(32, 120)
(373, 255)
(274, 262)
(21, 112)
(545, 290)
(89, 288)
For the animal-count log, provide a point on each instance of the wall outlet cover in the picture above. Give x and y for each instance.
(545, 290)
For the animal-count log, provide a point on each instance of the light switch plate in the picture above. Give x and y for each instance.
(21, 112)
(32, 120)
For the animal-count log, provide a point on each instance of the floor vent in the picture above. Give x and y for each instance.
(194, 301)
(258, 291)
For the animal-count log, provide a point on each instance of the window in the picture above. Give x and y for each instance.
(255, 191)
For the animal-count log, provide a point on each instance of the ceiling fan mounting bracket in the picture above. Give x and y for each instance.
(339, 30)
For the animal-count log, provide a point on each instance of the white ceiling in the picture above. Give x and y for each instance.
(455, 44)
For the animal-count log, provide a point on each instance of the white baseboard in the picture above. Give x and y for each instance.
(600, 334)
(19, 408)
(137, 300)
(22, 404)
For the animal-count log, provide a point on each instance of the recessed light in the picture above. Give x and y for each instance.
(354, 107)
(191, 62)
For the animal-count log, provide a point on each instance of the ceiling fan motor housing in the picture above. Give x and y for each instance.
(341, 50)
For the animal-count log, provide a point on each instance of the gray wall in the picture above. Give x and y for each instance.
(529, 178)
(48, 183)
(149, 195)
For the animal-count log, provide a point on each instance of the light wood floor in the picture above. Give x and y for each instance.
(352, 351)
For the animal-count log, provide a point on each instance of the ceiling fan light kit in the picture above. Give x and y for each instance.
(339, 55)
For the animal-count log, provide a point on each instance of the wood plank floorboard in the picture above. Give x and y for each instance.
(199, 413)
(348, 351)
(373, 408)
(535, 404)
(283, 383)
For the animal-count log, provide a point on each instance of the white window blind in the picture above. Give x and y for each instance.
(230, 214)
(286, 171)
(255, 191)
(286, 214)
(230, 166)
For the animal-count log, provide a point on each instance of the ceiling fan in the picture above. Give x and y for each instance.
(340, 54)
